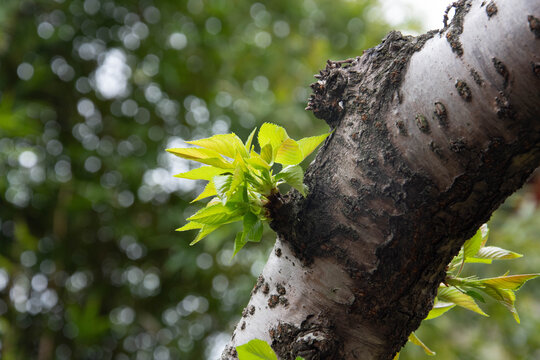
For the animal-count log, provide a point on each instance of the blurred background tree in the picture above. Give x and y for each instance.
(91, 93)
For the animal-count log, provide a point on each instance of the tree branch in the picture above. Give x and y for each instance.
(431, 134)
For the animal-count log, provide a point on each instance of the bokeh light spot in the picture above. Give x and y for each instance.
(25, 71)
(45, 30)
(28, 159)
(178, 41)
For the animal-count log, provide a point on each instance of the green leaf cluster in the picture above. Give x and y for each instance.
(466, 292)
(241, 180)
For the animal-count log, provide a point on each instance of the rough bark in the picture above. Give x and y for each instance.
(431, 134)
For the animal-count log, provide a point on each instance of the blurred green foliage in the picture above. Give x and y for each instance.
(91, 93)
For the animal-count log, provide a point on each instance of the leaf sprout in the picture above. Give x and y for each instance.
(465, 292)
(241, 181)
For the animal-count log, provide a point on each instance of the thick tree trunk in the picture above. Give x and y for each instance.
(431, 135)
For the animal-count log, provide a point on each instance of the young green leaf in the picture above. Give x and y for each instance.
(475, 295)
(294, 176)
(209, 190)
(509, 282)
(453, 295)
(256, 350)
(289, 153)
(439, 308)
(416, 341)
(216, 214)
(477, 260)
(258, 162)
(202, 173)
(190, 226)
(240, 197)
(496, 253)
(271, 134)
(223, 185)
(205, 156)
(255, 235)
(253, 227)
(474, 244)
(237, 179)
(239, 242)
(504, 297)
(204, 232)
(249, 141)
(225, 144)
(457, 262)
(267, 153)
(307, 145)
(249, 220)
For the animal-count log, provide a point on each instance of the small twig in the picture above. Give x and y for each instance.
(334, 64)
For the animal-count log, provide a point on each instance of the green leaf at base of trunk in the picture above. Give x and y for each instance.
(256, 350)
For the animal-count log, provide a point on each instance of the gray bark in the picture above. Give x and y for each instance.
(431, 134)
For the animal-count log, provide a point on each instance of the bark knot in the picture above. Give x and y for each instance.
(534, 25)
(491, 9)
(326, 102)
(311, 341)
